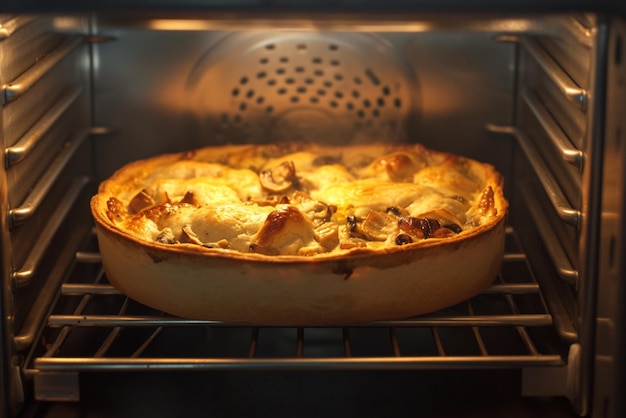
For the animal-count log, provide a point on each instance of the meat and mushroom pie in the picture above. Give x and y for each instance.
(299, 209)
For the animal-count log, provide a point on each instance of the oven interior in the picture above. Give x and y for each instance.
(536, 96)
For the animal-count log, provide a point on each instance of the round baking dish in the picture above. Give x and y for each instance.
(358, 285)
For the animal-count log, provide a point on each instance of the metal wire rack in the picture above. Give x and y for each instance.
(95, 328)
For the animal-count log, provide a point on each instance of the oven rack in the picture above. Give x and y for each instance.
(467, 336)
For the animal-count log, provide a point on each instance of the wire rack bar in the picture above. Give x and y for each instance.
(347, 345)
(107, 289)
(394, 342)
(115, 332)
(254, 340)
(142, 348)
(449, 321)
(300, 342)
(440, 350)
(521, 330)
(334, 363)
(476, 331)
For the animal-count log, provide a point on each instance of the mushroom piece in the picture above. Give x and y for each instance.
(394, 210)
(378, 226)
(191, 236)
(139, 202)
(190, 198)
(318, 212)
(353, 227)
(352, 242)
(327, 235)
(166, 236)
(418, 227)
(279, 178)
(403, 239)
(446, 220)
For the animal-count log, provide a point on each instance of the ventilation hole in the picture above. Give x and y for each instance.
(338, 77)
(375, 113)
(360, 114)
(301, 47)
(237, 118)
(280, 71)
(284, 59)
(261, 74)
(321, 92)
(264, 60)
(380, 101)
(235, 92)
(271, 82)
(386, 91)
(334, 62)
(357, 80)
(308, 81)
(316, 60)
(250, 94)
(282, 90)
(333, 104)
(328, 84)
(356, 94)
(372, 77)
(338, 94)
(318, 73)
(301, 90)
(299, 69)
(243, 80)
(333, 47)
(367, 103)
(260, 99)
(314, 100)
(269, 109)
(243, 106)
(397, 103)
(290, 80)
(349, 106)
(270, 46)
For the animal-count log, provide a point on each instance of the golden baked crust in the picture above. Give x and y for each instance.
(300, 209)
(293, 199)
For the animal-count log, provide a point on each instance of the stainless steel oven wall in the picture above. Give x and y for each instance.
(44, 120)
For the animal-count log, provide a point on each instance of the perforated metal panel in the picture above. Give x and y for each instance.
(338, 87)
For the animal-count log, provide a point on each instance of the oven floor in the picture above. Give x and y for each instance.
(414, 394)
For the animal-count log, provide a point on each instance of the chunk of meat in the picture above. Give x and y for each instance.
(284, 231)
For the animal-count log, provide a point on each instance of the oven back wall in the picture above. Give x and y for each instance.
(168, 91)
